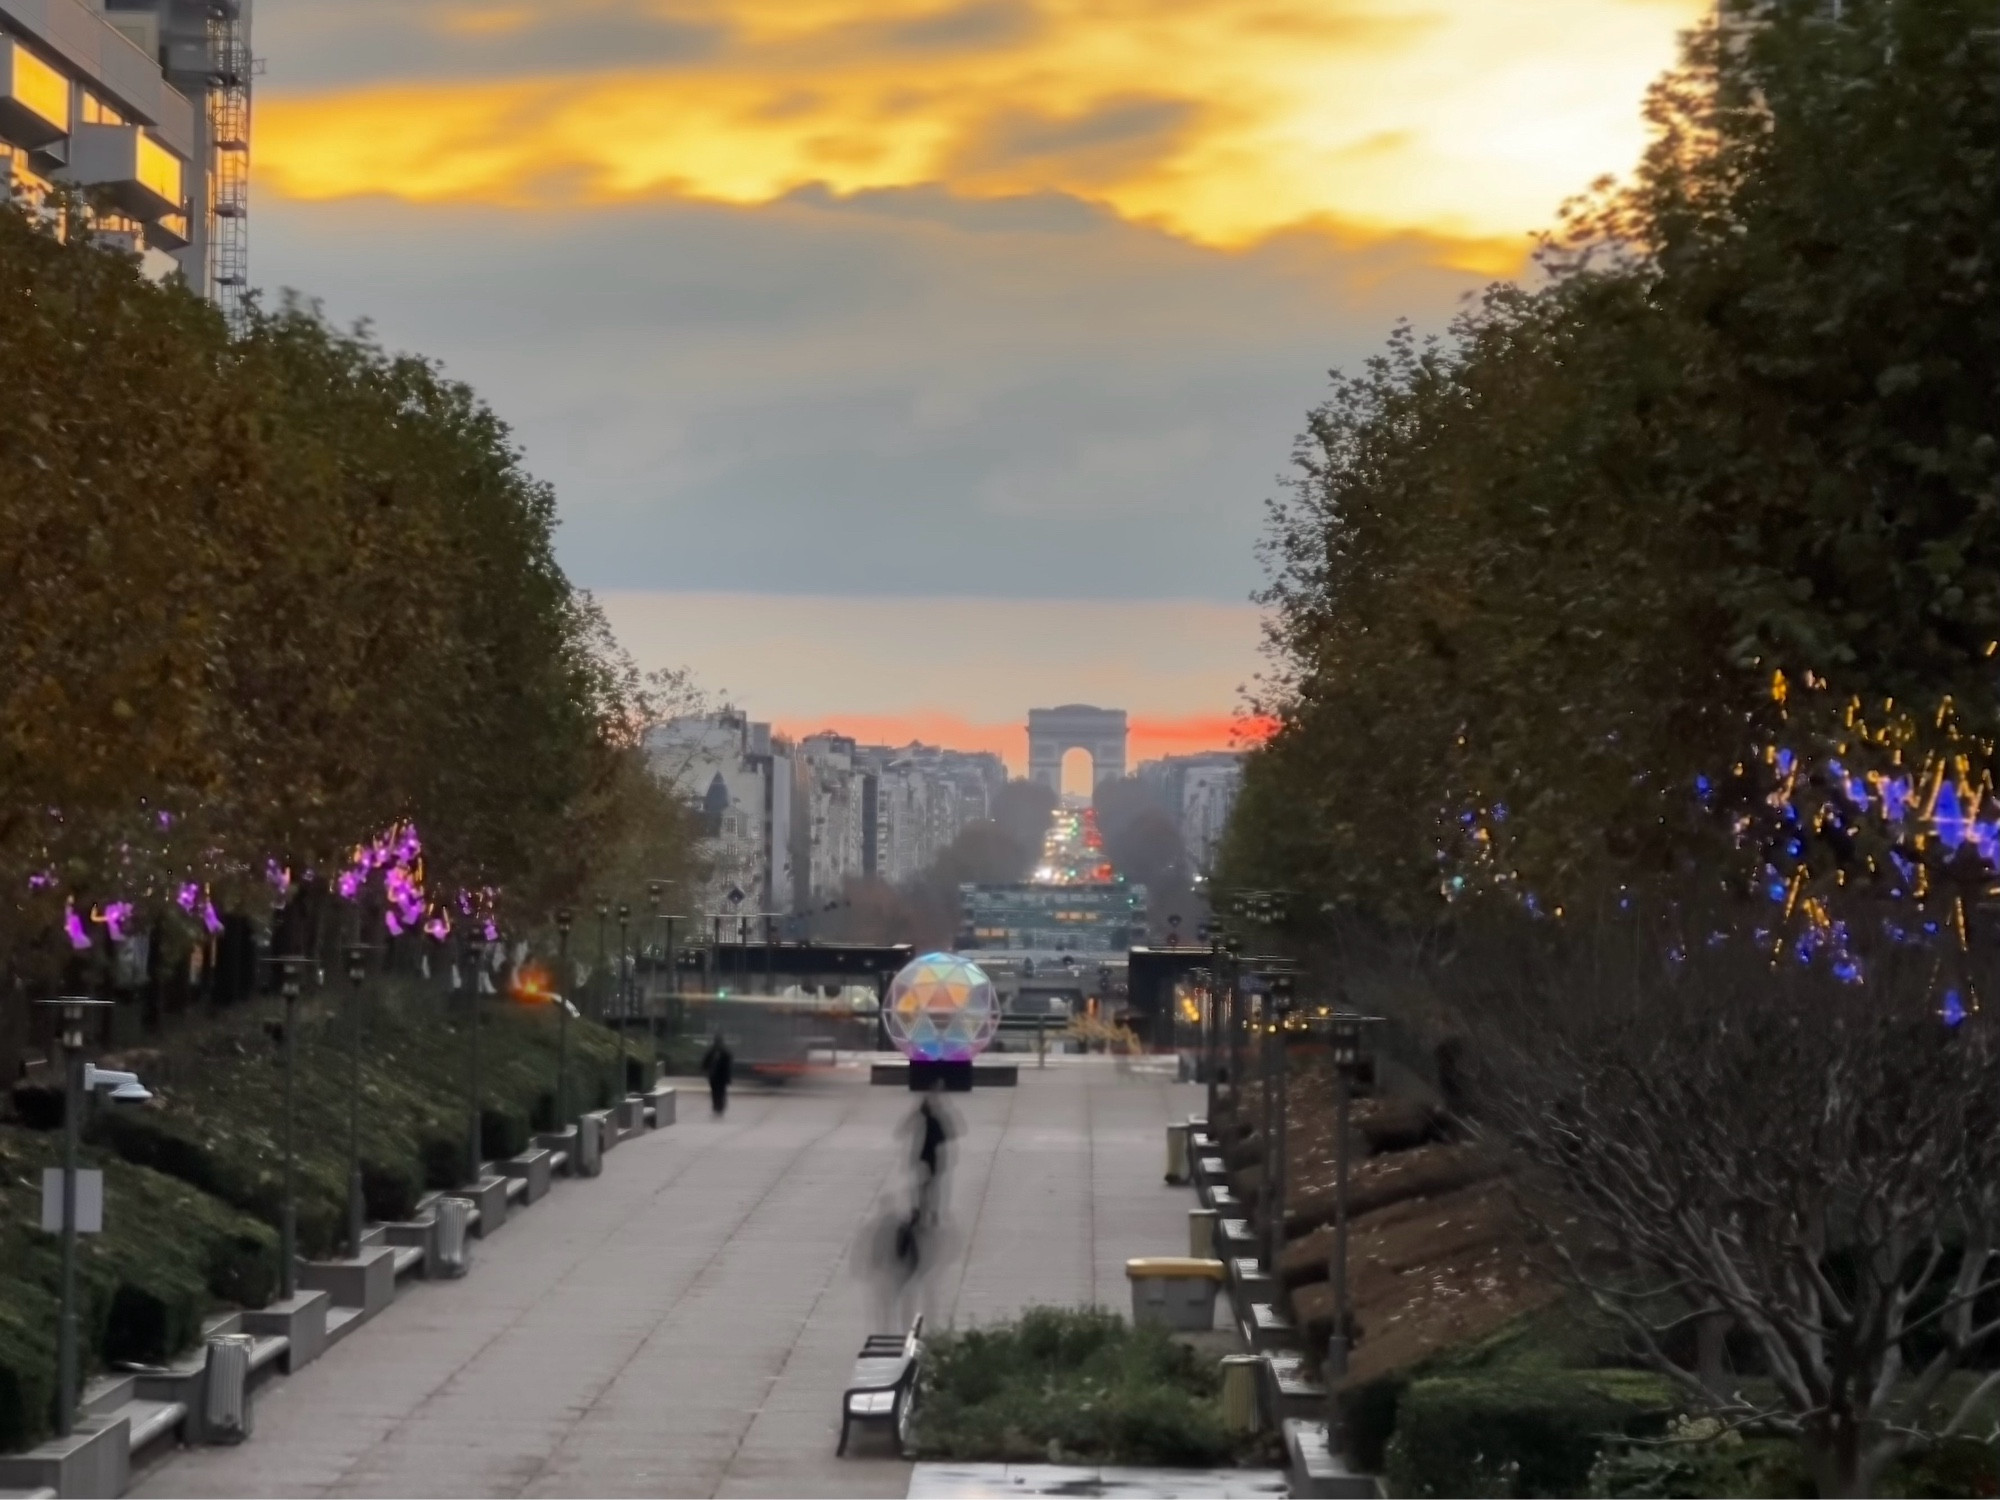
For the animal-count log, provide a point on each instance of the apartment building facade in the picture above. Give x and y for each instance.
(142, 108)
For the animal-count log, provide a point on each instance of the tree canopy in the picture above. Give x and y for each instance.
(1540, 586)
(263, 598)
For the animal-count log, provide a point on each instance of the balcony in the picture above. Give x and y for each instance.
(133, 172)
(34, 98)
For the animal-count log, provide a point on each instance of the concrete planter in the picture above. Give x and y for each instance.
(490, 1198)
(661, 1101)
(300, 1318)
(535, 1167)
(367, 1282)
(94, 1462)
(560, 1143)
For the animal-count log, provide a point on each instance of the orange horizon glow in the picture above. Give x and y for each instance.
(1150, 737)
(1223, 122)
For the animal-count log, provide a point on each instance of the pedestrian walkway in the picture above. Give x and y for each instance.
(684, 1324)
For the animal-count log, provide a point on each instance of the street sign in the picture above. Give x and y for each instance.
(89, 1200)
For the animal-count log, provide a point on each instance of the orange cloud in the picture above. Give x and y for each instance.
(1222, 121)
(1151, 737)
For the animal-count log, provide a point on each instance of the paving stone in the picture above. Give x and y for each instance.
(683, 1324)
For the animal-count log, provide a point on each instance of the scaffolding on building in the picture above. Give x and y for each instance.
(229, 73)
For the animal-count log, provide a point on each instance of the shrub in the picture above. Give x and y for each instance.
(390, 1189)
(443, 1161)
(38, 1106)
(1081, 1383)
(146, 1325)
(502, 1133)
(27, 1364)
(1519, 1431)
(1699, 1458)
(242, 1269)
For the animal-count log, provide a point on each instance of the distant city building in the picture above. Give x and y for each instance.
(1034, 918)
(1200, 792)
(740, 780)
(143, 106)
(790, 825)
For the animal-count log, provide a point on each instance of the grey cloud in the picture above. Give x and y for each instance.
(983, 23)
(1110, 139)
(1118, 122)
(322, 43)
(1033, 213)
(817, 397)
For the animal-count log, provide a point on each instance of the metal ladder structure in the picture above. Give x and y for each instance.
(229, 73)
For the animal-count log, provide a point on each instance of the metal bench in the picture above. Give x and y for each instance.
(883, 1386)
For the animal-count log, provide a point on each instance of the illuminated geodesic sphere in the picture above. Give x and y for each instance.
(942, 1008)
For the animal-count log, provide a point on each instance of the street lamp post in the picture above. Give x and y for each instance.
(1280, 1021)
(624, 1067)
(655, 889)
(474, 1142)
(357, 971)
(603, 913)
(1348, 1065)
(563, 921)
(289, 970)
(72, 1009)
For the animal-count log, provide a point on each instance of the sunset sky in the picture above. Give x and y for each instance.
(905, 364)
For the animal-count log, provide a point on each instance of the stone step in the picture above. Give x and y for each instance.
(342, 1321)
(1292, 1390)
(108, 1393)
(1316, 1470)
(151, 1421)
(1268, 1328)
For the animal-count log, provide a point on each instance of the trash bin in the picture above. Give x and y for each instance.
(1177, 1153)
(225, 1400)
(454, 1245)
(1240, 1407)
(1201, 1232)
(589, 1146)
(1178, 1291)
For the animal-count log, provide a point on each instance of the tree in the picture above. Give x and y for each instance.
(1535, 581)
(1812, 1165)
(264, 598)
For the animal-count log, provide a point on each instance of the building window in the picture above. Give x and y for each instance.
(97, 112)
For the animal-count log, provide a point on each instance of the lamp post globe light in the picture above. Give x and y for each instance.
(563, 920)
(357, 974)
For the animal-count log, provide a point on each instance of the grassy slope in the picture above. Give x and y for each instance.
(194, 1178)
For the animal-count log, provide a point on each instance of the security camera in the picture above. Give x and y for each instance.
(124, 1087)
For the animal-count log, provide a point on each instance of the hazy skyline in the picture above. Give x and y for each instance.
(848, 328)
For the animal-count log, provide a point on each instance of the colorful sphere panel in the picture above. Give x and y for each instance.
(942, 1008)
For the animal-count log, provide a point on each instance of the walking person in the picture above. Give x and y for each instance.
(931, 1127)
(718, 1064)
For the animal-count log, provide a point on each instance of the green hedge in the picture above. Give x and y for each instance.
(1518, 1431)
(169, 1255)
(1072, 1385)
(194, 1179)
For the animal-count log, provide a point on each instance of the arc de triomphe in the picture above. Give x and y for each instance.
(1054, 732)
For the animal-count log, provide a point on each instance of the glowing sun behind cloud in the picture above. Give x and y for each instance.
(1220, 121)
